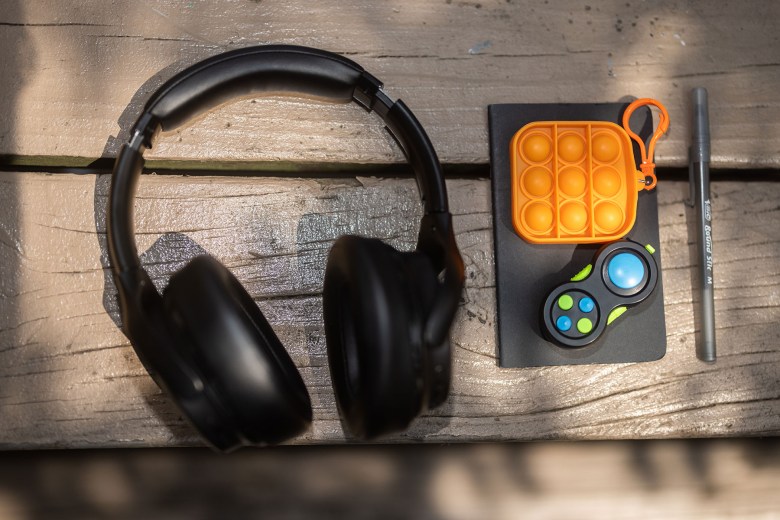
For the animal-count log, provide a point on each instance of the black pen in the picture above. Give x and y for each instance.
(700, 180)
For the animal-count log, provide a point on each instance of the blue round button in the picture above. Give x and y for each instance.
(586, 304)
(626, 270)
(563, 323)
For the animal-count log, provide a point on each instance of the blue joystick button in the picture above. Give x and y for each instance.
(563, 323)
(626, 270)
(586, 304)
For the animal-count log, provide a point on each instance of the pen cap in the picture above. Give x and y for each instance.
(700, 145)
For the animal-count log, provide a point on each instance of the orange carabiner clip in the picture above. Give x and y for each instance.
(647, 166)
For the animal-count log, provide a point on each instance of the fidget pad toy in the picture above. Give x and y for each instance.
(575, 182)
(622, 274)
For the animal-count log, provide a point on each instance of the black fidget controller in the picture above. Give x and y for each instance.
(577, 313)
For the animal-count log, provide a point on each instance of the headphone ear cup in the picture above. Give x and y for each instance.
(252, 381)
(373, 328)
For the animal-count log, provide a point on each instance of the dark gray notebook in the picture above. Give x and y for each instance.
(526, 273)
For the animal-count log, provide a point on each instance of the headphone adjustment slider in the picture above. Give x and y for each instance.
(368, 91)
(143, 132)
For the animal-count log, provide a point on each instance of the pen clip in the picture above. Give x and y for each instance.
(647, 166)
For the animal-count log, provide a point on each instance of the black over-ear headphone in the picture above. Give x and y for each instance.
(387, 313)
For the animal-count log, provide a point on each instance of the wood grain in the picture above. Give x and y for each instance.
(69, 378)
(76, 75)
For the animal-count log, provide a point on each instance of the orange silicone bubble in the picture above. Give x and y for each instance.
(571, 148)
(608, 216)
(538, 217)
(572, 181)
(536, 148)
(574, 216)
(537, 181)
(606, 181)
(605, 147)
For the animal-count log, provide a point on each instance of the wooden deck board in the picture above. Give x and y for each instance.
(675, 480)
(69, 377)
(77, 74)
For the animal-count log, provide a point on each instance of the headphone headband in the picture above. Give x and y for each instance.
(284, 68)
(272, 68)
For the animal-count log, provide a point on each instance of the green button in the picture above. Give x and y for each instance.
(616, 313)
(650, 249)
(565, 302)
(582, 274)
(584, 325)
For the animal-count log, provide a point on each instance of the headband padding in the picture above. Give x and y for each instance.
(254, 70)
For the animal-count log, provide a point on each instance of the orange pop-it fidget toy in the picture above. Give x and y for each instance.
(575, 182)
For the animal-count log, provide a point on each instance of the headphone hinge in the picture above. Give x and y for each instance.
(437, 240)
(143, 132)
(368, 92)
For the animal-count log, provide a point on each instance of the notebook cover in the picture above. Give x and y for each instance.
(525, 272)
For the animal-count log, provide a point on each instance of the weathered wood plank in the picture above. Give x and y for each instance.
(69, 378)
(73, 74)
(718, 479)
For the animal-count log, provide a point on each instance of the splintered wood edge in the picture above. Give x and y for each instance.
(69, 378)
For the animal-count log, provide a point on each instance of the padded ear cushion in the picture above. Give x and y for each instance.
(373, 328)
(252, 379)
